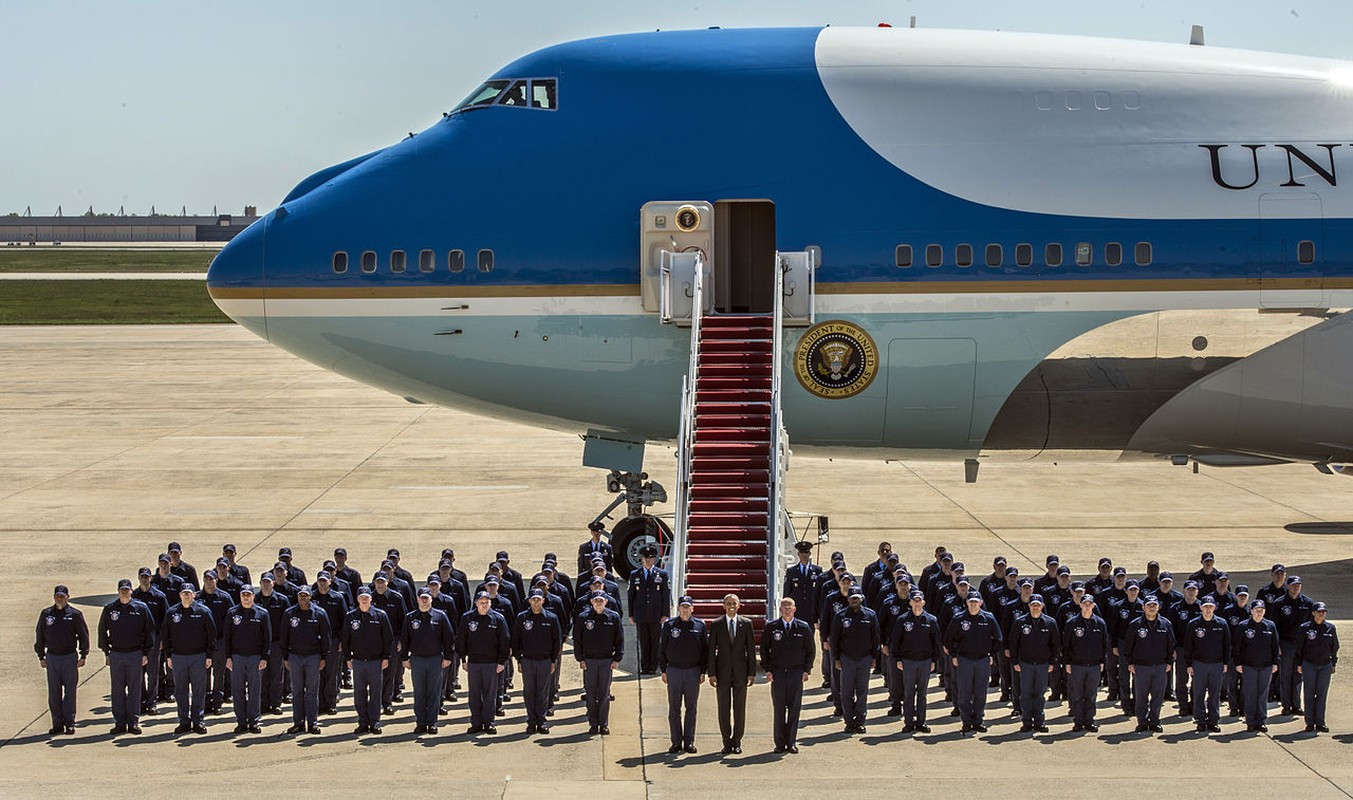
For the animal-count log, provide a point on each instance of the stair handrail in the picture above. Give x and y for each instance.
(778, 535)
(686, 440)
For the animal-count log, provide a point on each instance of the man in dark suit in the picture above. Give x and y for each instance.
(731, 669)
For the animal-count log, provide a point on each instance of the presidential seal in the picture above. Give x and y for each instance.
(836, 360)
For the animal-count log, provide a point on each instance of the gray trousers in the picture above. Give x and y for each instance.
(1254, 683)
(1206, 700)
(597, 674)
(150, 681)
(972, 676)
(1289, 682)
(304, 689)
(1125, 695)
(1148, 691)
(275, 679)
(62, 678)
(1082, 689)
(855, 687)
(536, 683)
(914, 680)
(786, 700)
(367, 682)
(124, 669)
(219, 677)
(1033, 689)
(483, 687)
(246, 688)
(330, 677)
(427, 688)
(683, 689)
(1315, 681)
(190, 687)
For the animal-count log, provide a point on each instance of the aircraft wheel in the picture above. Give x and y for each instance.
(630, 535)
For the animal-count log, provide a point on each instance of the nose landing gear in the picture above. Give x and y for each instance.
(637, 529)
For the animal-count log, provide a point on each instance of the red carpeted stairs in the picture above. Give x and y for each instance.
(731, 462)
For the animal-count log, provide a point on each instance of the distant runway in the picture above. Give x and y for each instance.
(103, 276)
(119, 439)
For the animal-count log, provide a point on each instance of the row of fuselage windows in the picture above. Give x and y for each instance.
(398, 261)
(1083, 253)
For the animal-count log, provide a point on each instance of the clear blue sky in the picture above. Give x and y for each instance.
(172, 103)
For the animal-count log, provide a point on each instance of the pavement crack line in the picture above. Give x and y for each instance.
(969, 514)
(1313, 770)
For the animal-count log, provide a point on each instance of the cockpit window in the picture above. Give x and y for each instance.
(539, 93)
(515, 95)
(483, 96)
(544, 94)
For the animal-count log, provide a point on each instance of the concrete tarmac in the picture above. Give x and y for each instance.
(117, 440)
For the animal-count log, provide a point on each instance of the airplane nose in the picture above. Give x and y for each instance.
(235, 278)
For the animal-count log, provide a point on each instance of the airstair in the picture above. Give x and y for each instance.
(732, 532)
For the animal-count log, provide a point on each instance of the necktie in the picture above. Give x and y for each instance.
(732, 627)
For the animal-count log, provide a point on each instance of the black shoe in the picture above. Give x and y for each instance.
(387, 711)
(859, 729)
(737, 749)
(1041, 728)
(134, 730)
(825, 685)
(690, 748)
(1200, 728)
(1026, 728)
(1156, 728)
(980, 728)
(473, 729)
(184, 728)
(923, 729)
(674, 749)
(895, 711)
(1310, 729)
(347, 684)
(1321, 728)
(418, 730)
(542, 729)
(454, 698)
(592, 730)
(314, 729)
(780, 748)
(953, 712)
(361, 729)
(1005, 697)
(399, 697)
(255, 729)
(792, 748)
(432, 729)
(727, 750)
(1262, 728)
(1251, 728)
(198, 729)
(1297, 711)
(274, 711)
(296, 729)
(241, 728)
(376, 728)
(549, 712)
(1077, 728)
(908, 728)
(610, 697)
(149, 711)
(850, 729)
(328, 711)
(1142, 727)
(604, 731)
(489, 729)
(966, 727)
(1214, 729)
(121, 729)
(442, 710)
(1092, 728)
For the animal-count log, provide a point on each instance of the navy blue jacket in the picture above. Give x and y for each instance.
(483, 638)
(537, 636)
(1255, 644)
(1205, 642)
(650, 597)
(1086, 642)
(788, 645)
(428, 633)
(188, 631)
(248, 632)
(598, 636)
(855, 633)
(1035, 640)
(1289, 614)
(367, 635)
(127, 627)
(305, 632)
(683, 644)
(155, 601)
(276, 604)
(1318, 643)
(970, 636)
(1149, 642)
(801, 585)
(915, 638)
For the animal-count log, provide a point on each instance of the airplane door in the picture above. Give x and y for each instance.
(930, 393)
(674, 227)
(799, 269)
(1286, 257)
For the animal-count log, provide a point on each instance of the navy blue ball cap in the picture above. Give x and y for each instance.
(1256, 604)
(1087, 598)
(974, 597)
(387, 564)
(175, 547)
(537, 593)
(1208, 601)
(483, 596)
(1277, 568)
(947, 556)
(1132, 585)
(266, 577)
(598, 595)
(491, 581)
(1119, 571)
(1222, 575)
(1052, 559)
(686, 600)
(393, 552)
(340, 551)
(856, 591)
(211, 573)
(1166, 576)
(381, 576)
(1012, 571)
(1106, 562)
(1063, 571)
(434, 580)
(425, 592)
(998, 560)
(1242, 589)
(324, 576)
(187, 588)
(124, 584)
(164, 558)
(1208, 556)
(1319, 606)
(1078, 584)
(365, 590)
(917, 596)
(146, 571)
(303, 589)
(1038, 598)
(222, 562)
(1293, 579)
(284, 552)
(228, 548)
(957, 566)
(1151, 600)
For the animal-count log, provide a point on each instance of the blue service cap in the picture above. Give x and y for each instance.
(1151, 600)
(266, 576)
(303, 589)
(1037, 598)
(855, 591)
(483, 596)
(365, 590)
(1256, 604)
(147, 571)
(686, 600)
(1319, 606)
(187, 587)
(1293, 579)
(1209, 600)
(124, 584)
(164, 558)
(537, 593)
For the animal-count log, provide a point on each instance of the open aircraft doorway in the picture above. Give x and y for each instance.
(744, 256)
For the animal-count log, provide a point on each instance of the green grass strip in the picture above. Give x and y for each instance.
(105, 302)
(60, 259)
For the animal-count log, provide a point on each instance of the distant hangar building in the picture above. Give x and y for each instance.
(110, 228)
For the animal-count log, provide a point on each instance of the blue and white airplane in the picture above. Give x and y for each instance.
(1027, 245)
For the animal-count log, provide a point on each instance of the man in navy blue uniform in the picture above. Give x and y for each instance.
(483, 642)
(594, 547)
(801, 581)
(248, 646)
(1233, 615)
(1255, 653)
(787, 652)
(275, 677)
(599, 645)
(218, 603)
(1205, 647)
(238, 570)
(187, 572)
(1149, 648)
(334, 603)
(392, 603)
(1034, 646)
(189, 636)
(913, 648)
(536, 642)
(305, 644)
(972, 640)
(1289, 613)
(127, 639)
(429, 644)
(650, 603)
(1086, 648)
(683, 647)
(855, 643)
(1206, 578)
(368, 644)
(158, 604)
(1317, 655)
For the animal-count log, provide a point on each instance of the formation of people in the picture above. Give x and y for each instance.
(225, 639)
